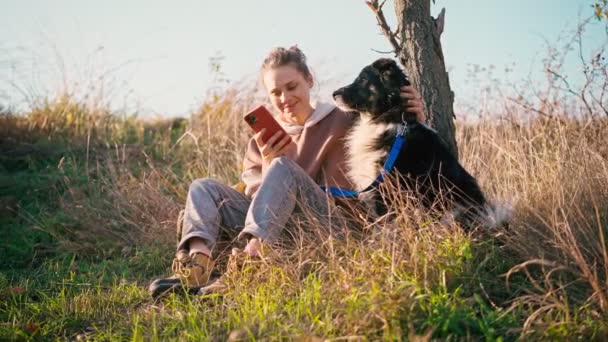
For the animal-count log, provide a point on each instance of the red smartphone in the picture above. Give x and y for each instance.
(261, 118)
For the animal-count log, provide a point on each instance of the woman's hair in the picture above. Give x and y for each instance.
(280, 56)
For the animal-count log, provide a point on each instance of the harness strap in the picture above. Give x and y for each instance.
(389, 164)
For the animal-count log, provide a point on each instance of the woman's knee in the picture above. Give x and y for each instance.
(283, 163)
(203, 184)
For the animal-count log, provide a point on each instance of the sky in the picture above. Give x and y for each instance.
(153, 57)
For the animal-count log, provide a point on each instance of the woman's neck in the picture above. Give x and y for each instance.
(299, 118)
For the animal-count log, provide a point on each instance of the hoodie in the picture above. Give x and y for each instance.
(320, 149)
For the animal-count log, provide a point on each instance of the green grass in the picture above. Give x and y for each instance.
(107, 299)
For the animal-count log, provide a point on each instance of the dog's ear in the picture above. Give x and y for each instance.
(390, 70)
(384, 65)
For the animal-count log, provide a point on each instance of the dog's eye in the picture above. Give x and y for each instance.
(387, 75)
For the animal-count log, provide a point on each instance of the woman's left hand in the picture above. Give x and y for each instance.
(414, 102)
(254, 248)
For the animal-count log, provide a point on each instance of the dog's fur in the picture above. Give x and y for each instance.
(424, 161)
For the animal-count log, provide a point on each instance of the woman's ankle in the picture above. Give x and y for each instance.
(198, 245)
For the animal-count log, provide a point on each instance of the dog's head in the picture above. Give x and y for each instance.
(375, 91)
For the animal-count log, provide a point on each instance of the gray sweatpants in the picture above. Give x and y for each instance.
(211, 205)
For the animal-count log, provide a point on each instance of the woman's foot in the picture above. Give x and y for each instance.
(189, 271)
(235, 263)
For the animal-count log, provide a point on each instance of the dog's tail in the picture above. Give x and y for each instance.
(492, 218)
(497, 215)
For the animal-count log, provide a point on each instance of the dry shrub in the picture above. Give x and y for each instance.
(555, 171)
(219, 133)
(546, 153)
(65, 117)
(117, 211)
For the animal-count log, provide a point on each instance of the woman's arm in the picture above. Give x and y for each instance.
(252, 168)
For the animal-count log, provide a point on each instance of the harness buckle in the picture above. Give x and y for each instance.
(401, 129)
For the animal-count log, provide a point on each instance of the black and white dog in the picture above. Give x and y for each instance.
(424, 161)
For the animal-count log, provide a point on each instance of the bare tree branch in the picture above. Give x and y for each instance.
(386, 30)
(382, 52)
(603, 91)
(530, 107)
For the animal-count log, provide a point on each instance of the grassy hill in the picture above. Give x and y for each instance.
(89, 202)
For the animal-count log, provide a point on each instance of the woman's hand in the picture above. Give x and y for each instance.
(414, 102)
(253, 248)
(274, 147)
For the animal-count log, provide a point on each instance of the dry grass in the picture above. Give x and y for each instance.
(556, 172)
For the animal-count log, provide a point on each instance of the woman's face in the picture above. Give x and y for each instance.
(289, 92)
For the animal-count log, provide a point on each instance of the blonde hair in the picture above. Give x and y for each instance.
(280, 56)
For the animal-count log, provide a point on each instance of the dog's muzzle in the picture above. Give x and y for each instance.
(338, 93)
(338, 96)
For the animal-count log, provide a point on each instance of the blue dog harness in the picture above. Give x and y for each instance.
(388, 166)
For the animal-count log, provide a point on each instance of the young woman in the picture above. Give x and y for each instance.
(278, 179)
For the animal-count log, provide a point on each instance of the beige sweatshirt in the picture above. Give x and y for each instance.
(320, 152)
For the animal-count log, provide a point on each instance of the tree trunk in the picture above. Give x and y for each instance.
(422, 57)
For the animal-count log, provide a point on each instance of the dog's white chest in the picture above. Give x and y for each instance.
(365, 160)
